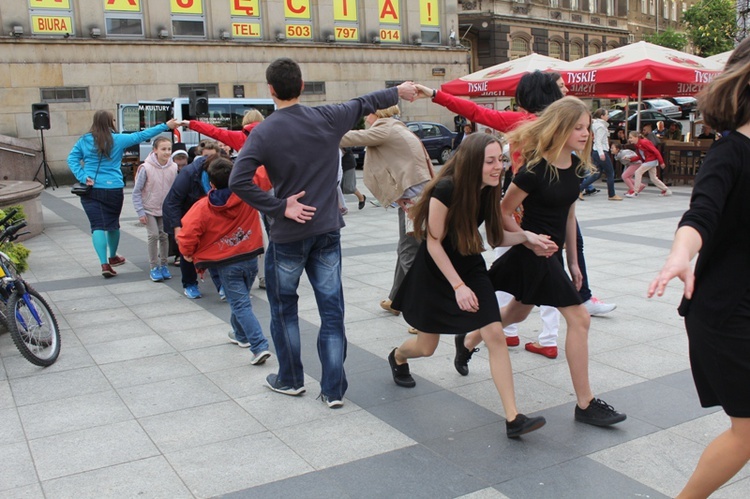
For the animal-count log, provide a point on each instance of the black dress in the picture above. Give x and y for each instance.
(537, 280)
(427, 299)
(717, 318)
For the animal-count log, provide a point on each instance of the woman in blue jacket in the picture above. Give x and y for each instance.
(95, 161)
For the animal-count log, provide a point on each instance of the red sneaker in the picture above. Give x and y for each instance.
(549, 352)
(512, 341)
(116, 260)
(108, 271)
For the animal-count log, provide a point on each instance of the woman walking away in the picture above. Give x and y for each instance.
(716, 302)
(152, 184)
(95, 161)
(447, 290)
(554, 148)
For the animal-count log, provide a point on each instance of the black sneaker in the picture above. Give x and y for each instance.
(272, 380)
(463, 355)
(599, 413)
(522, 425)
(400, 373)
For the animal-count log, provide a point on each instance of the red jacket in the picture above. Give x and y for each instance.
(233, 138)
(648, 151)
(215, 234)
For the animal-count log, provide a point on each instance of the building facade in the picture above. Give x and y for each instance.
(83, 55)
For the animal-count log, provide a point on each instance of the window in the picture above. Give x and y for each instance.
(429, 130)
(674, 10)
(519, 47)
(65, 94)
(651, 7)
(123, 19)
(576, 51)
(594, 48)
(185, 88)
(644, 6)
(188, 27)
(554, 3)
(611, 7)
(430, 36)
(555, 50)
(574, 5)
(314, 88)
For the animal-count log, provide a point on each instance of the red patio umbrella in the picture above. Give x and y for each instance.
(639, 70)
(501, 80)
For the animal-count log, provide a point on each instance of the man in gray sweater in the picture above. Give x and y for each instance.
(298, 145)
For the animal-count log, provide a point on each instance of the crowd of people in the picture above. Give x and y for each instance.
(285, 182)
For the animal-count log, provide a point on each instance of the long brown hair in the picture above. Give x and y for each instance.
(465, 170)
(101, 130)
(725, 102)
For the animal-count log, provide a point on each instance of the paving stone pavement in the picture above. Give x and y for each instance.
(149, 399)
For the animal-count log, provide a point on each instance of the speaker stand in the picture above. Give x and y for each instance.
(49, 178)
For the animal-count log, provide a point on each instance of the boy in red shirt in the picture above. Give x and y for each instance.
(221, 231)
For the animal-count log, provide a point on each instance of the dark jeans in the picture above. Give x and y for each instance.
(602, 166)
(320, 257)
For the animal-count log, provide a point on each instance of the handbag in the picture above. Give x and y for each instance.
(80, 189)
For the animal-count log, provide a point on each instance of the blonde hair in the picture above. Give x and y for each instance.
(545, 137)
(252, 116)
(388, 113)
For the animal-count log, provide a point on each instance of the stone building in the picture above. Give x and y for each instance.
(83, 55)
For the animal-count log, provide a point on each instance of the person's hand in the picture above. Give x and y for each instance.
(185, 123)
(601, 156)
(143, 219)
(540, 244)
(89, 181)
(173, 123)
(187, 258)
(576, 276)
(407, 91)
(662, 166)
(674, 267)
(405, 204)
(297, 211)
(466, 299)
(424, 92)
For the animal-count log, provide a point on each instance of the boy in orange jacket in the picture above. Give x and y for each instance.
(224, 232)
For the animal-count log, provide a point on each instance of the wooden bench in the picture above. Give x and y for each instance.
(683, 161)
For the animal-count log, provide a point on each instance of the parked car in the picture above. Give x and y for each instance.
(648, 116)
(663, 106)
(687, 104)
(437, 139)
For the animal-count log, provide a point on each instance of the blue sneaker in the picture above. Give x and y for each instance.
(156, 275)
(222, 294)
(165, 272)
(193, 292)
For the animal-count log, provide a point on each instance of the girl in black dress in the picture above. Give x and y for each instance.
(447, 290)
(716, 303)
(554, 149)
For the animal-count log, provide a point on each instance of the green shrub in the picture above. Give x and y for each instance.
(18, 253)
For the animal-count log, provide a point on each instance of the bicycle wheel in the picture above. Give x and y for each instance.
(33, 327)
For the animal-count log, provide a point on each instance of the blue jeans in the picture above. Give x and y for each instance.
(602, 166)
(320, 257)
(238, 278)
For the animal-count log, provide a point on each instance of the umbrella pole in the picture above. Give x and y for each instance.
(626, 111)
(638, 109)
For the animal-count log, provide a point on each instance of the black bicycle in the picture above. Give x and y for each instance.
(26, 315)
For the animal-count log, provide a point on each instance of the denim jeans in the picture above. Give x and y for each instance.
(238, 278)
(320, 257)
(602, 166)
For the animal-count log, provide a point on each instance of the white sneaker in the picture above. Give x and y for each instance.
(596, 307)
(233, 339)
(631, 194)
(666, 193)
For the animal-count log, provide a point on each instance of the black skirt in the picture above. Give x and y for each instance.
(720, 360)
(103, 208)
(428, 301)
(534, 280)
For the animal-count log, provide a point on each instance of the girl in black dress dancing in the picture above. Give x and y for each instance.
(447, 290)
(554, 149)
(716, 303)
